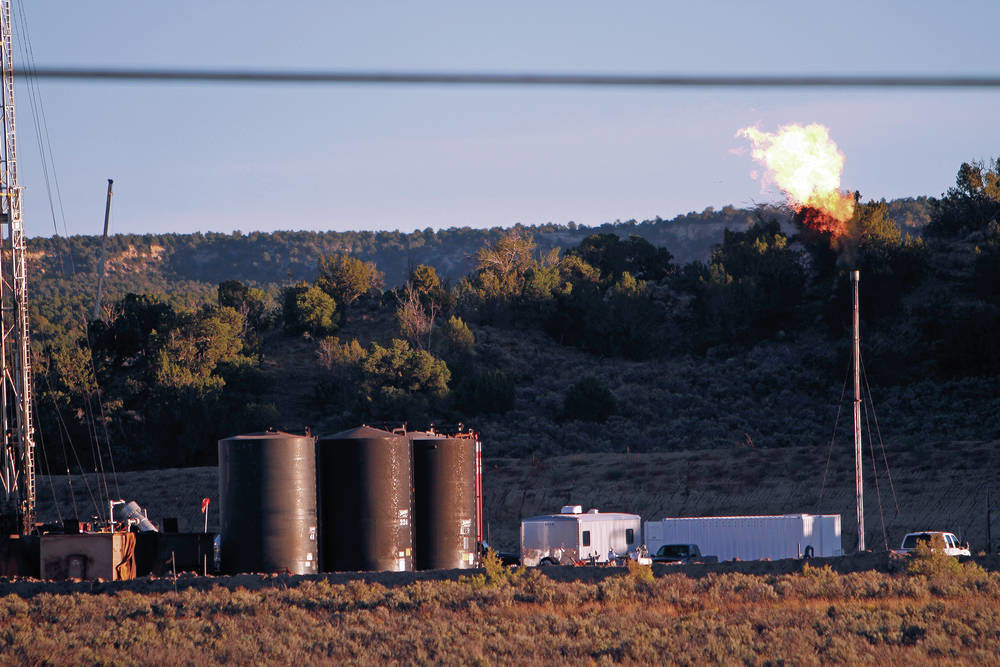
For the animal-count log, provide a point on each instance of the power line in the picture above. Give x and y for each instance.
(516, 79)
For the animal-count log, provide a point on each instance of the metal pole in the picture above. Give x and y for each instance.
(104, 242)
(989, 523)
(479, 488)
(859, 486)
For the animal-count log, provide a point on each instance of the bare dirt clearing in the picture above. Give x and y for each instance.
(941, 486)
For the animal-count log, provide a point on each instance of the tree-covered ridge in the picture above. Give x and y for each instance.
(283, 256)
(527, 342)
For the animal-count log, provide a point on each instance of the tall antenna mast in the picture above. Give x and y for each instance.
(859, 486)
(17, 470)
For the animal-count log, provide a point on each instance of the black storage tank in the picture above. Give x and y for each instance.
(365, 482)
(267, 486)
(444, 501)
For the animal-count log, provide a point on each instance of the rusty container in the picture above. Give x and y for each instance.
(365, 482)
(444, 501)
(89, 556)
(267, 487)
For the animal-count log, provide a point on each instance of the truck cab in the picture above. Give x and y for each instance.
(937, 540)
(677, 553)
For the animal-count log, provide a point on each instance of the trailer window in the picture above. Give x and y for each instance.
(629, 536)
(586, 538)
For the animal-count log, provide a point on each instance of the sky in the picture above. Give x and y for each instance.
(212, 157)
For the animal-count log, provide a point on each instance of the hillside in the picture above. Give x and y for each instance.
(787, 389)
(780, 393)
(612, 345)
(612, 374)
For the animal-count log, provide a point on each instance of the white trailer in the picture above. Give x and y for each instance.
(751, 537)
(573, 536)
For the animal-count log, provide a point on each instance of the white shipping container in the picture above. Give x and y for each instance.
(750, 537)
(573, 536)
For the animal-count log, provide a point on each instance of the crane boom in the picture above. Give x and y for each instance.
(17, 471)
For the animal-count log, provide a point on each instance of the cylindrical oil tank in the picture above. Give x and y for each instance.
(365, 482)
(267, 487)
(444, 501)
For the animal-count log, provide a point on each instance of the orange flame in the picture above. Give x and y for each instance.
(806, 164)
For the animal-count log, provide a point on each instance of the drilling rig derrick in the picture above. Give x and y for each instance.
(17, 469)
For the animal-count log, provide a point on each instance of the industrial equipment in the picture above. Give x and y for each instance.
(446, 500)
(750, 537)
(267, 486)
(17, 449)
(365, 484)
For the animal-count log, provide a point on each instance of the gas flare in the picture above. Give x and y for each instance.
(805, 163)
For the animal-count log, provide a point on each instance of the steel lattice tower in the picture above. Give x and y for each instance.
(17, 472)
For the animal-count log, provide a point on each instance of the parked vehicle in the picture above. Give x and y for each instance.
(681, 553)
(751, 537)
(937, 540)
(573, 536)
(506, 557)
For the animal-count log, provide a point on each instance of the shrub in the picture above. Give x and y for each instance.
(415, 317)
(749, 290)
(814, 582)
(457, 336)
(639, 572)
(497, 573)
(493, 566)
(971, 204)
(331, 353)
(486, 392)
(347, 278)
(589, 400)
(618, 319)
(986, 270)
(399, 380)
(932, 563)
(309, 309)
(614, 256)
(521, 618)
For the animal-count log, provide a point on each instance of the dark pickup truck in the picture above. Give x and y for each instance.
(681, 553)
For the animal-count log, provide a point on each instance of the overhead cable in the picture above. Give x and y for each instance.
(973, 81)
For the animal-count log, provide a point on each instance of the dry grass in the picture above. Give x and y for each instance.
(811, 617)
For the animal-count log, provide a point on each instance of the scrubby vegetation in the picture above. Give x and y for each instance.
(816, 616)
(624, 338)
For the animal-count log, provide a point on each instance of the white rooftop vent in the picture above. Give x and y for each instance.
(571, 509)
(592, 511)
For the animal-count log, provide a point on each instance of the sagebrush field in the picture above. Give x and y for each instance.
(936, 609)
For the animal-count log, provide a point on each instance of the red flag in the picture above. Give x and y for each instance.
(204, 505)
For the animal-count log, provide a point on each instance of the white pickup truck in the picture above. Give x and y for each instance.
(937, 540)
